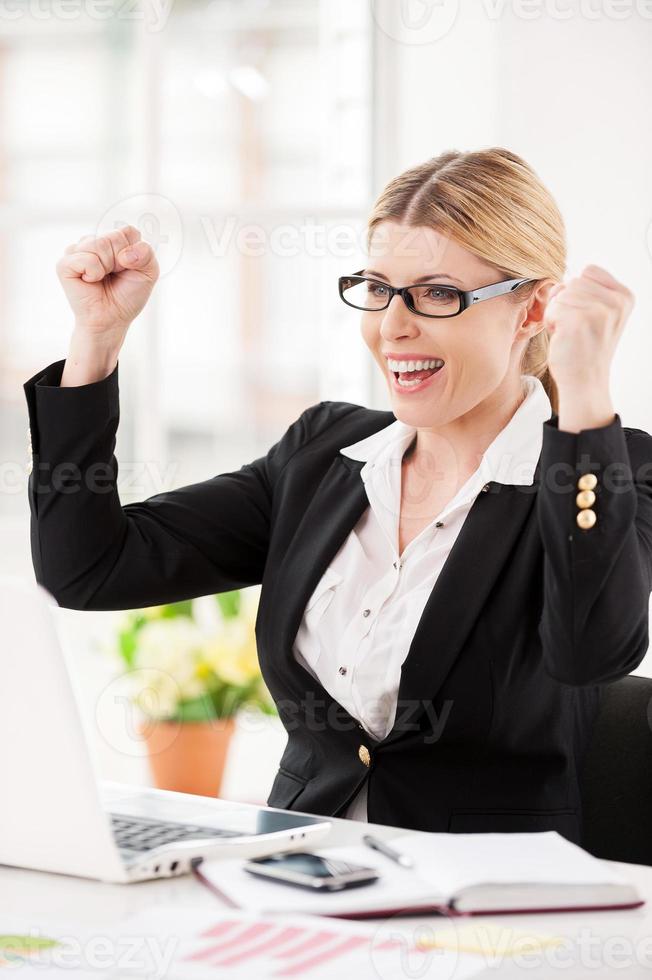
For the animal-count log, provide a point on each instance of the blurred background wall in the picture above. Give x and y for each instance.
(247, 139)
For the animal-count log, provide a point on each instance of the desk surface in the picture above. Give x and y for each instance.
(608, 944)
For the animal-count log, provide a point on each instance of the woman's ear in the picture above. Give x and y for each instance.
(538, 301)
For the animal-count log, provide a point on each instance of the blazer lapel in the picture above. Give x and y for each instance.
(334, 510)
(488, 535)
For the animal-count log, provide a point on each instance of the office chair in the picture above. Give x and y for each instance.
(616, 776)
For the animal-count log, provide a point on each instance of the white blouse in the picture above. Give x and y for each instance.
(360, 620)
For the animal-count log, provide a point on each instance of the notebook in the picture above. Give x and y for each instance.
(455, 874)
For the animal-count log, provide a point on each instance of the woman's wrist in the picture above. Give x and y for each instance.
(587, 408)
(91, 357)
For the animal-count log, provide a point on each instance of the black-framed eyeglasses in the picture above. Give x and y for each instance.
(431, 299)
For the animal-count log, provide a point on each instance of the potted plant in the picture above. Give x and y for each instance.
(192, 667)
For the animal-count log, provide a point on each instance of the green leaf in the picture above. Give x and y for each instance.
(174, 609)
(25, 944)
(195, 709)
(229, 603)
(127, 647)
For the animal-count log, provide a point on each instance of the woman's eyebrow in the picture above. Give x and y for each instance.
(432, 277)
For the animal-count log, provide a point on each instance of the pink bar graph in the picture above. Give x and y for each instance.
(307, 944)
(253, 931)
(346, 946)
(296, 949)
(263, 947)
(217, 930)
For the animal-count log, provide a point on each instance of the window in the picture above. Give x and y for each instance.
(236, 136)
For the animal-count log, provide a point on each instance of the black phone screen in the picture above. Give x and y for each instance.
(309, 864)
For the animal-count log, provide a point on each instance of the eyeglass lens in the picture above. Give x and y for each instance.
(433, 300)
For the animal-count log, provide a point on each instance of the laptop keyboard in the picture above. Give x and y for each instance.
(143, 834)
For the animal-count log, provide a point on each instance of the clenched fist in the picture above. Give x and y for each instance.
(108, 280)
(585, 318)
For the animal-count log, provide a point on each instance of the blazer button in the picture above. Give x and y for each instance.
(585, 498)
(586, 519)
(363, 753)
(587, 482)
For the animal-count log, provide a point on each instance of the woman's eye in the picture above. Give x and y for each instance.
(439, 294)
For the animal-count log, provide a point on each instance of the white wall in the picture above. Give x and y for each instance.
(571, 94)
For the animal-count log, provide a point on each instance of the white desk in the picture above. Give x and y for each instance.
(605, 941)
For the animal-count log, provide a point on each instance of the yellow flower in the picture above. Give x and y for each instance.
(155, 692)
(232, 653)
(203, 670)
(172, 647)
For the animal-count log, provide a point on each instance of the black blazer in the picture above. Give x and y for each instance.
(498, 693)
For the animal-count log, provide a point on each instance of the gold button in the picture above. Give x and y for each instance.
(587, 482)
(363, 752)
(586, 519)
(585, 498)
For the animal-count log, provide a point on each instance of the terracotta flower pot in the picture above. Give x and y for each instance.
(188, 756)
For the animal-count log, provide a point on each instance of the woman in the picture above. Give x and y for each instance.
(446, 585)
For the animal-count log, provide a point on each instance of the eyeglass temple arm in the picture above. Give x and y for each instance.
(497, 289)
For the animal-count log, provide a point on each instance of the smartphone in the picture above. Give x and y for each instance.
(311, 871)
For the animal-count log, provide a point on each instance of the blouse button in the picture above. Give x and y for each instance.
(342, 671)
(366, 612)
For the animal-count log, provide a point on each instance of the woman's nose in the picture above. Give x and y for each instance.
(398, 320)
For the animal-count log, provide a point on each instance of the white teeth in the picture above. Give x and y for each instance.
(414, 365)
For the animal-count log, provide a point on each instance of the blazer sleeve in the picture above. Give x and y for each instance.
(597, 582)
(90, 552)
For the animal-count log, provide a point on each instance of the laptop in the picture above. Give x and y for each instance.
(57, 816)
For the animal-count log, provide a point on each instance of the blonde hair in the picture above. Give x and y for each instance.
(493, 204)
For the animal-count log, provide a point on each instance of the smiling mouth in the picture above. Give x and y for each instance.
(412, 373)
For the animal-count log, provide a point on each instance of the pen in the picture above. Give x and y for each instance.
(378, 845)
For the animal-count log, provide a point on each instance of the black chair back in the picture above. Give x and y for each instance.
(616, 776)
